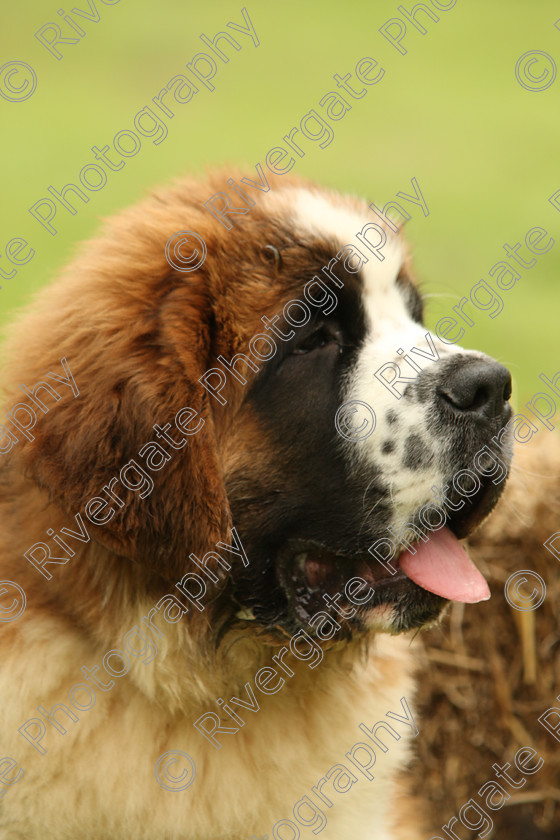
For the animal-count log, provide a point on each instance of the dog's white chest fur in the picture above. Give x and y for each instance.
(97, 780)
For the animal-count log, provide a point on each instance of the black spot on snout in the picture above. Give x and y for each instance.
(416, 453)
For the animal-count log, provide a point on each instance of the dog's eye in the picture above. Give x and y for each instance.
(322, 336)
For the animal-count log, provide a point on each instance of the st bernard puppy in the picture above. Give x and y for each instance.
(197, 642)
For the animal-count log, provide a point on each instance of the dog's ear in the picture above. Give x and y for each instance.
(135, 369)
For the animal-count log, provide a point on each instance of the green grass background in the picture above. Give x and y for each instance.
(450, 112)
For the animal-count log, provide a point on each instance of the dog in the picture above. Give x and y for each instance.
(198, 521)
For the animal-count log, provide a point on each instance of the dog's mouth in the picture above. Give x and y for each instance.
(418, 579)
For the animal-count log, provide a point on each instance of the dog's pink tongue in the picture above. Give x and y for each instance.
(442, 566)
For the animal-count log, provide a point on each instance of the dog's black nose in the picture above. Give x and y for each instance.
(479, 387)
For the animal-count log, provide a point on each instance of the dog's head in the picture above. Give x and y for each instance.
(323, 497)
(307, 488)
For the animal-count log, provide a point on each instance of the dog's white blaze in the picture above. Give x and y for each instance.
(390, 329)
(336, 219)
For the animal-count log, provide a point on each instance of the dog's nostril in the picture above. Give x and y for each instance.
(478, 387)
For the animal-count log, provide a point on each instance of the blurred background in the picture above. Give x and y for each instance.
(450, 113)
